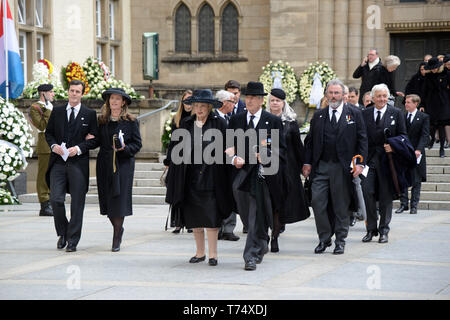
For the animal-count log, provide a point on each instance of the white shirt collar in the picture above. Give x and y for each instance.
(375, 111)
(77, 107)
(338, 111)
(257, 116)
(221, 114)
(373, 64)
(413, 114)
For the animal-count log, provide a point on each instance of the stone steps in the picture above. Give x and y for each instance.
(93, 198)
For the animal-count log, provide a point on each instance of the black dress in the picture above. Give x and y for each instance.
(119, 205)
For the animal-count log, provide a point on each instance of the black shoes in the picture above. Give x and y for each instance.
(274, 245)
(250, 265)
(229, 236)
(71, 247)
(441, 153)
(117, 241)
(244, 230)
(352, 221)
(368, 237)
(322, 247)
(413, 210)
(194, 259)
(383, 238)
(46, 209)
(212, 262)
(402, 208)
(177, 230)
(339, 249)
(61, 242)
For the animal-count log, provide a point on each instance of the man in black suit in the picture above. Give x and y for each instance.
(378, 183)
(370, 71)
(337, 134)
(418, 127)
(66, 134)
(235, 88)
(255, 207)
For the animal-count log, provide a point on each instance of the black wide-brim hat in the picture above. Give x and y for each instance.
(433, 63)
(119, 91)
(254, 89)
(203, 96)
(447, 58)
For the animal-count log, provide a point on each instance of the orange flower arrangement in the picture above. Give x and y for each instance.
(75, 72)
(48, 64)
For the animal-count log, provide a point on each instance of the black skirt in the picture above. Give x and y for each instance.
(200, 210)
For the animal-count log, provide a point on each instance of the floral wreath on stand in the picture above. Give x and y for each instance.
(167, 133)
(43, 74)
(74, 71)
(306, 84)
(279, 75)
(15, 145)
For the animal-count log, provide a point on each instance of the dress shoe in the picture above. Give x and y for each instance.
(339, 249)
(352, 221)
(189, 231)
(368, 237)
(177, 230)
(442, 153)
(71, 247)
(430, 145)
(46, 209)
(244, 230)
(61, 242)
(413, 210)
(212, 262)
(194, 259)
(383, 238)
(283, 228)
(401, 209)
(230, 237)
(322, 247)
(117, 241)
(274, 245)
(250, 265)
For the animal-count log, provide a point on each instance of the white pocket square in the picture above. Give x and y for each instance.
(393, 122)
(351, 122)
(84, 124)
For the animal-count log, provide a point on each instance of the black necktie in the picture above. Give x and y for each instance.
(72, 115)
(251, 124)
(333, 119)
(409, 118)
(227, 118)
(377, 121)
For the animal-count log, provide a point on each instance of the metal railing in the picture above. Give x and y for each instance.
(148, 114)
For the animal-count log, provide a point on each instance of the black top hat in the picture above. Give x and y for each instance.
(203, 95)
(119, 91)
(45, 87)
(433, 63)
(255, 89)
(279, 93)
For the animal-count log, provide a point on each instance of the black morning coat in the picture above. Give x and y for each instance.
(115, 190)
(394, 120)
(351, 140)
(57, 133)
(419, 134)
(295, 206)
(176, 176)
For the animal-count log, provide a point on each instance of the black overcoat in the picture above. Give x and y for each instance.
(295, 206)
(121, 205)
(436, 97)
(418, 134)
(219, 173)
(369, 78)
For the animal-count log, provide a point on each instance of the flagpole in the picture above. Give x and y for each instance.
(5, 37)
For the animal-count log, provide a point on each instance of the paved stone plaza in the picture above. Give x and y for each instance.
(153, 263)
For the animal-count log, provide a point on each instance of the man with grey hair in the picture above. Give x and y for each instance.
(370, 71)
(226, 231)
(337, 134)
(378, 184)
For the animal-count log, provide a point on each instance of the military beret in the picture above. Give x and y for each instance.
(45, 87)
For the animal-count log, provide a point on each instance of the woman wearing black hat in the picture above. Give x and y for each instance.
(295, 206)
(119, 140)
(436, 100)
(415, 84)
(200, 189)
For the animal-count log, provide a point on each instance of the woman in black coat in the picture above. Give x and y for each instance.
(295, 205)
(436, 100)
(115, 163)
(201, 190)
(183, 111)
(415, 84)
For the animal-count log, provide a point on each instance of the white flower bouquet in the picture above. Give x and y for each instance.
(42, 75)
(278, 75)
(307, 78)
(167, 134)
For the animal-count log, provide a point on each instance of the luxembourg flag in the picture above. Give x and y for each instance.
(11, 71)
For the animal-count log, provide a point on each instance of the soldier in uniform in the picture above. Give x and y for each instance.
(39, 113)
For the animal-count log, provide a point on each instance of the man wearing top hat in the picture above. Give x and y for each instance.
(68, 170)
(252, 189)
(39, 113)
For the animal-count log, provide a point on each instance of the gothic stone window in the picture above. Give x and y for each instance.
(206, 29)
(183, 30)
(230, 29)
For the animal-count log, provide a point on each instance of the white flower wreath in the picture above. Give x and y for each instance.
(307, 78)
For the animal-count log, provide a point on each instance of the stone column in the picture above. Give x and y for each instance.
(341, 38)
(355, 32)
(194, 35)
(217, 36)
(326, 25)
